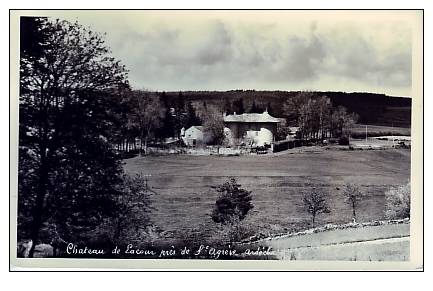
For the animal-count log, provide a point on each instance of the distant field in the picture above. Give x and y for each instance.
(396, 116)
(377, 130)
(185, 197)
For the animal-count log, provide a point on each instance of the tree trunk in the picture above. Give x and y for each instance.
(353, 212)
(39, 204)
(141, 144)
(117, 231)
(145, 145)
(314, 220)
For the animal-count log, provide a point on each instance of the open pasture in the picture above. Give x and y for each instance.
(185, 196)
(359, 130)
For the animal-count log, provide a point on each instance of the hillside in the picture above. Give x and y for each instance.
(375, 109)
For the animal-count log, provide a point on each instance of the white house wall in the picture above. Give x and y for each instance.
(192, 134)
(261, 135)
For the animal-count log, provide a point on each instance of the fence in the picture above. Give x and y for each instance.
(199, 151)
(286, 144)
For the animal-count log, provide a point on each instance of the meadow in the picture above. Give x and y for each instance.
(358, 131)
(185, 195)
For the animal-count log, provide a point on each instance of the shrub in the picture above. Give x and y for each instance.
(315, 203)
(343, 140)
(353, 196)
(398, 202)
(233, 203)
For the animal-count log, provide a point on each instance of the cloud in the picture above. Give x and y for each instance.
(216, 46)
(352, 55)
(202, 52)
(301, 59)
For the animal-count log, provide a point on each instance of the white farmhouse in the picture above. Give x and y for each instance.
(258, 128)
(193, 136)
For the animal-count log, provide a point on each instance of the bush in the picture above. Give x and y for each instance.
(343, 140)
(235, 231)
(282, 146)
(315, 203)
(398, 202)
(233, 203)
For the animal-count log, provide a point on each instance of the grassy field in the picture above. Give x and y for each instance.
(185, 196)
(377, 130)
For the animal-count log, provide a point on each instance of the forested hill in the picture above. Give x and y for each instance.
(378, 109)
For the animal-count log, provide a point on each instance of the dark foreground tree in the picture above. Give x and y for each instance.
(232, 204)
(68, 173)
(353, 196)
(132, 213)
(315, 203)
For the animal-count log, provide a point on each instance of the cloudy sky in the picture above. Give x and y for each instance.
(263, 50)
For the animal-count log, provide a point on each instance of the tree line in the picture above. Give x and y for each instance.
(317, 118)
(151, 116)
(372, 108)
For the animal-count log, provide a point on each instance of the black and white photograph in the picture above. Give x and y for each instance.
(151, 137)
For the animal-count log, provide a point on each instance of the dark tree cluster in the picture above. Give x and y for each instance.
(69, 177)
(371, 108)
(317, 118)
(152, 117)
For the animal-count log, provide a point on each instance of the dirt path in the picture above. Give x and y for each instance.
(368, 243)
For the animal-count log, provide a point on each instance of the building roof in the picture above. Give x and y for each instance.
(199, 127)
(264, 117)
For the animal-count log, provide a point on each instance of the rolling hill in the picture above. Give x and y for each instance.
(372, 108)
